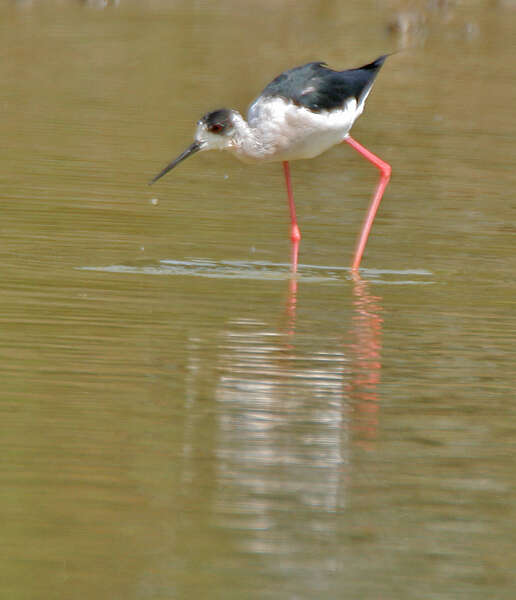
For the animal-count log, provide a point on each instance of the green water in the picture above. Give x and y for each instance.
(180, 418)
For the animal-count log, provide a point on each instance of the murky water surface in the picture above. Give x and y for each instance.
(183, 419)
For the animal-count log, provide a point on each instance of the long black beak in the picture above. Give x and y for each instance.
(192, 149)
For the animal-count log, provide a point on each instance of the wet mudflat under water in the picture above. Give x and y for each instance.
(183, 419)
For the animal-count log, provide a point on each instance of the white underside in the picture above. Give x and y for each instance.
(280, 130)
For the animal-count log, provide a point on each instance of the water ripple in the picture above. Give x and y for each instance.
(263, 270)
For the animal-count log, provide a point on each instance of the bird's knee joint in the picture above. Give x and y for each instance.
(387, 170)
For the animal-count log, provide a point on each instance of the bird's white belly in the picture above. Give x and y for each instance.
(285, 131)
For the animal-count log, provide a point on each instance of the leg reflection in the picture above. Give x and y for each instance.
(366, 335)
(292, 289)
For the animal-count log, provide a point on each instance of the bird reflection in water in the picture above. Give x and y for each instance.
(291, 406)
(364, 350)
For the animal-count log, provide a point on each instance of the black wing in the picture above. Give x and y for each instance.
(318, 88)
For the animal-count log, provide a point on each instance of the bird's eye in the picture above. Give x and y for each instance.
(216, 128)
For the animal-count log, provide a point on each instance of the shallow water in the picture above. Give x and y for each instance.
(182, 418)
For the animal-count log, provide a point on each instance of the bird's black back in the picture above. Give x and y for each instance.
(318, 88)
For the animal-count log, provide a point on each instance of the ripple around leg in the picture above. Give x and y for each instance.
(263, 270)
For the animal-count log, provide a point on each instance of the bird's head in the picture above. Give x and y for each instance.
(214, 132)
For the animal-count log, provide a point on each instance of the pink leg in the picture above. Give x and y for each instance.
(295, 234)
(385, 175)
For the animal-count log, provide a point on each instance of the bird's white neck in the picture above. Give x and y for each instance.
(245, 141)
(249, 144)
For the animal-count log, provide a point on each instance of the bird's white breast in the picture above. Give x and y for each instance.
(281, 130)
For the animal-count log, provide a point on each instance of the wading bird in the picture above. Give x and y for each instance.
(300, 114)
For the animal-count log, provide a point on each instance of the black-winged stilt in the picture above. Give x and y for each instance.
(300, 114)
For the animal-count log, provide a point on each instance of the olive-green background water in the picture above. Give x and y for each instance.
(179, 418)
